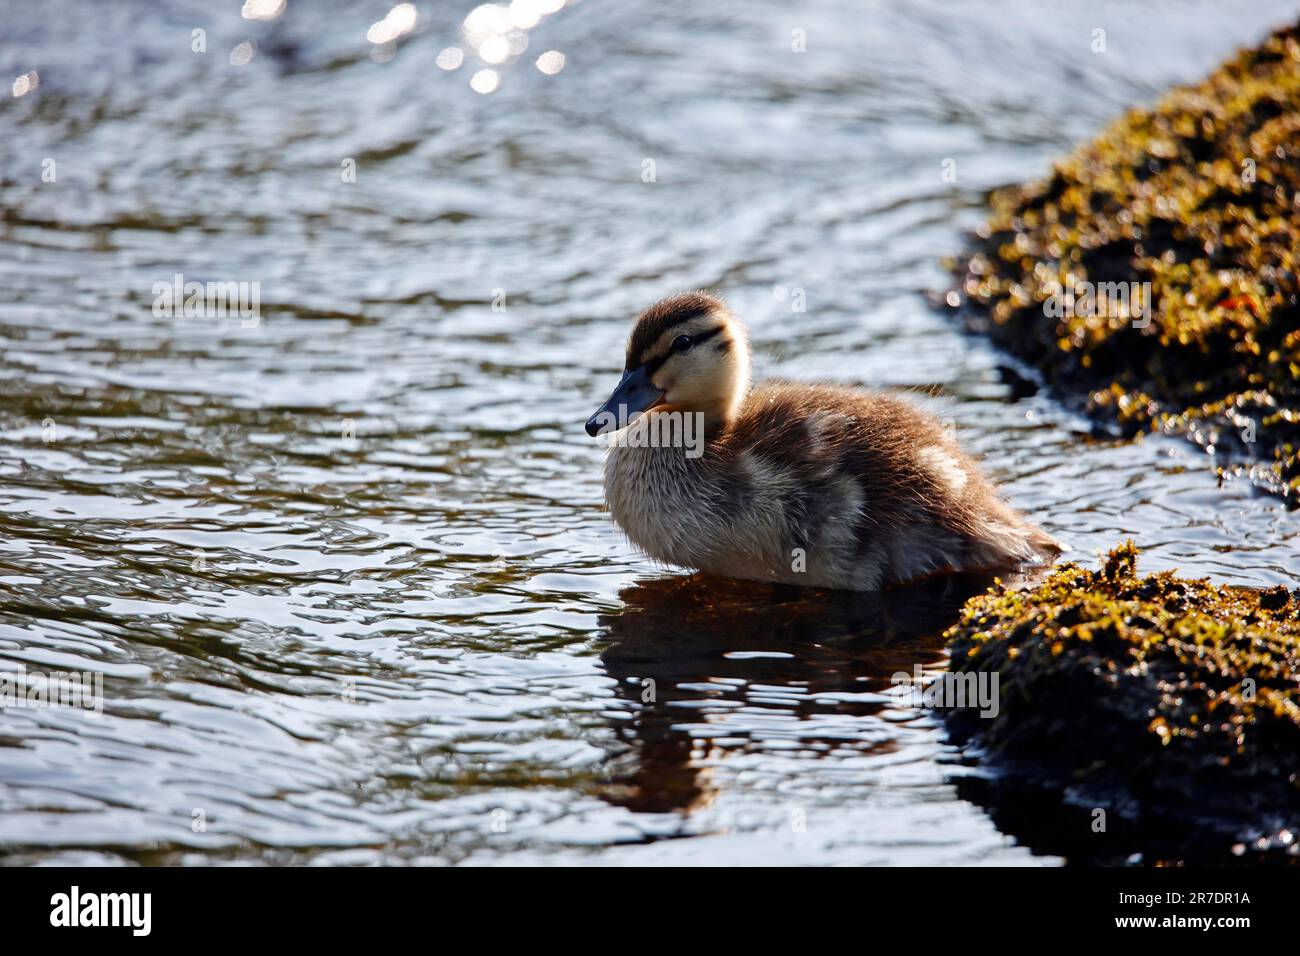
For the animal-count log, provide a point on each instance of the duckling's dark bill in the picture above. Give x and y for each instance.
(634, 394)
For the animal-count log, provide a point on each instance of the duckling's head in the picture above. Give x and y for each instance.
(687, 353)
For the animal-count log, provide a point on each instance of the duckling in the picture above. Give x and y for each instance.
(815, 485)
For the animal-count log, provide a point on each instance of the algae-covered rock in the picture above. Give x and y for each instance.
(1174, 703)
(1154, 273)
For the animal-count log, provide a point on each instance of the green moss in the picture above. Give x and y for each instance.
(1200, 197)
(1176, 700)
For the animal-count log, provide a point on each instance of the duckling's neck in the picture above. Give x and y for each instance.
(709, 422)
(717, 417)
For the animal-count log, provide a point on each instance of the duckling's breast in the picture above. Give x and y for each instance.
(664, 502)
(738, 514)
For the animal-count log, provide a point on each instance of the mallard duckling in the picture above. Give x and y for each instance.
(813, 485)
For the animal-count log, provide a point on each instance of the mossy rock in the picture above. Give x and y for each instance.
(1173, 703)
(1199, 197)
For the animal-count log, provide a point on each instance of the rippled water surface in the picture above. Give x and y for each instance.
(345, 573)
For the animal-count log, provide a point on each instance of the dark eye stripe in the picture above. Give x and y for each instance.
(705, 336)
(653, 365)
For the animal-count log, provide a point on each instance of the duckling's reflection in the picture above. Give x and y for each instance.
(675, 634)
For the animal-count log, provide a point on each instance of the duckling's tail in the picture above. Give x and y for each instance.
(1011, 540)
(1047, 547)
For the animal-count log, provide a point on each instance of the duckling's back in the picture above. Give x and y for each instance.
(891, 475)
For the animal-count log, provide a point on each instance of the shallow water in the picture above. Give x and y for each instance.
(345, 572)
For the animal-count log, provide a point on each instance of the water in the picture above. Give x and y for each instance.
(426, 642)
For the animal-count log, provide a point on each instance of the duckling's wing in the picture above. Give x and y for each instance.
(880, 482)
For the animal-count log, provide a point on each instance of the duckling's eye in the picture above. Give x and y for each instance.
(682, 343)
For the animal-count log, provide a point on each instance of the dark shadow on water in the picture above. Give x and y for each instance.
(1051, 820)
(738, 655)
(683, 633)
